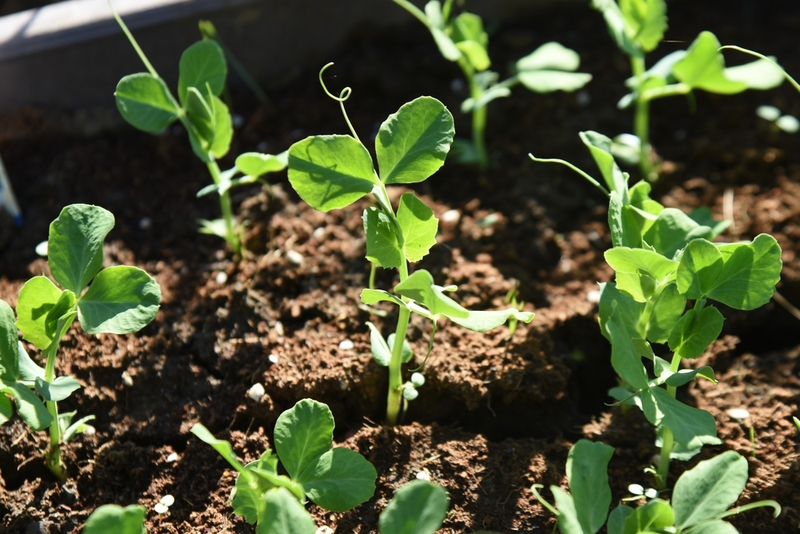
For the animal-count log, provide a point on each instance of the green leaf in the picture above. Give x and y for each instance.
(282, 514)
(420, 287)
(684, 376)
(58, 390)
(248, 499)
(600, 147)
(483, 321)
(202, 65)
(222, 446)
(121, 300)
(303, 433)
(550, 56)
(412, 144)
(703, 67)
(624, 228)
(654, 516)
(690, 426)
(381, 352)
(75, 245)
(760, 74)
(667, 309)
(448, 49)
(330, 171)
(693, 334)
(114, 518)
(617, 518)
(223, 128)
(255, 164)
(717, 526)
(612, 301)
(624, 358)
(9, 344)
(373, 296)
(568, 522)
(201, 116)
(699, 269)
(750, 273)
(468, 35)
(617, 27)
(30, 407)
(338, 480)
(406, 354)
(145, 102)
(672, 230)
(78, 427)
(640, 272)
(419, 227)
(706, 491)
(6, 410)
(36, 299)
(587, 472)
(476, 54)
(60, 316)
(418, 507)
(647, 20)
(382, 247)
(547, 81)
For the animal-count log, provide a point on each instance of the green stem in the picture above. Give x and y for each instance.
(478, 114)
(414, 10)
(53, 455)
(227, 210)
(641, 122)
(133, 42)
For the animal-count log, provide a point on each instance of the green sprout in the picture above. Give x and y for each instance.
(337, 479)
(700, 500)
(667, 273)
(333, 171)
(463, 40)
(638, 26)
(779, 121)
(114, 518)
(119, 300)
(146, 103)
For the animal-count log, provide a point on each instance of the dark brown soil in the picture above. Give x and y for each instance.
(498, 412)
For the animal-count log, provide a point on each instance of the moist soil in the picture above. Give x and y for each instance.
(498, 412)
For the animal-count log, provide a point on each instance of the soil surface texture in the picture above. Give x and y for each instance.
(498, 412)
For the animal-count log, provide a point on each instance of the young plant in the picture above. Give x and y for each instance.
(145, 101)
(778, 121)
(114, 518)
(462, 39)
(638, 26)
(337, 479)
(700, 499)
(333, 171)
(119, 300)
(667, 272)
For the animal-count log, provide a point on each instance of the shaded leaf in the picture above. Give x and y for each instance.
(418, 507)
(121, 300)
(145, 103)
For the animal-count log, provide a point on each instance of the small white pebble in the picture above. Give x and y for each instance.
(256, 391)
(319, 233)
(593, 296)
(294, 257)
(273, 358)
(740, 414)
(324, 529)
(279, 328)
(173, 457)
(127, 379)
(451, 216)
(221, 277)
(41, 249)
(90, 431)
(423, 475)
(346, 345)
(583, 98)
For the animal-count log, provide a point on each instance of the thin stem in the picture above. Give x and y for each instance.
(372, 269)
(227, 209)
(133, 42)
(478, 136)
(53, 456)
(414, 10)
(574, 168)
(344, 94)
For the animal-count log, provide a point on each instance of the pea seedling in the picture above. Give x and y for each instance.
(463, 40)
(664, 260)
(336, 479)
(333, 171)
(779, 121)
(637, 26)
(119, 300)
(700, 499)
(145, 101)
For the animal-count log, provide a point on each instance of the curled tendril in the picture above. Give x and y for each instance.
(344, 94)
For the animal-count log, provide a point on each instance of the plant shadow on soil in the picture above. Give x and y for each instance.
(497, 413)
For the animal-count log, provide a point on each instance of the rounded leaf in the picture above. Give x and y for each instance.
(114, 518)
(145, 102)
(303, 433)
(419, 507)
(705, 492)
(202, 65)
(121, 300)
(339, 480)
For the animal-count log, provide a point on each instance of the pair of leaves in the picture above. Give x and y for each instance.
(144, 100)
(429, 300)
(336, 479)
(551, 67)
(417, 229)
(252, 165)
(120, 300)
(700, 501)
(637, 26)
(333, 171)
